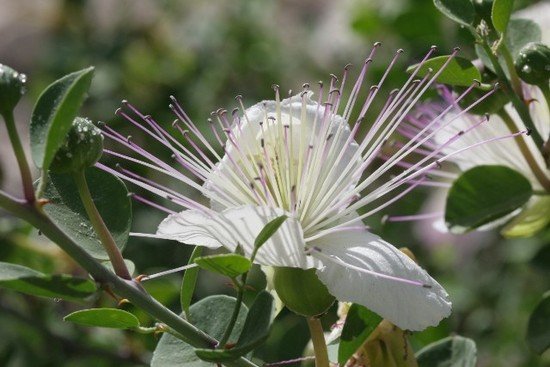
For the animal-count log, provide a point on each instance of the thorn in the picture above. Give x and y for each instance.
(140, 277)
(41, 202)
(123, 301)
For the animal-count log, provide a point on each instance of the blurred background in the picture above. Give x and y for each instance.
(205, 53)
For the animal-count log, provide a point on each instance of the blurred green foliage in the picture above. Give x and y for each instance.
(205, 54)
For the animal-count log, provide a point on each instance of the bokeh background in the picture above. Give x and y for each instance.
(205, 53)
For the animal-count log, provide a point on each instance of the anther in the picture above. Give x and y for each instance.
(528, 131)
(334, 77)
(426, 286)
(348, 66)
(124, 102)
(461, 132)
(400, 51)
(118, 111)
(433, 47)
(239, 97)
(368, 61)
(101, 123)
(377, 44)
(129, 139)
(477, 82)
(456, 49)
(262, 143)
(384, 219)
(305, 85)
(173, 99)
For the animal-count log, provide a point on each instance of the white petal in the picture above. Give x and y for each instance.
(349, 275)
(241, 225)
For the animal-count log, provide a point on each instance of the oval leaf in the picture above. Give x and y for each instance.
(54, 113)
(484, 194)
(111, 198)
(531, 220)
(230, 265)
(360, 323)
(459, 71)
(538, 332)
(189, 281)
(254, 333)
(500, 14)
(104, 317)
(29, 281)
(268, 231)
(461, 11)
(211, 314)
(454, 351)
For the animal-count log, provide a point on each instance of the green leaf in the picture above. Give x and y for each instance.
(254, 333)
(500, 14)
(111, 198)
(104, 317)
(520, 32)
(459, 71)
(360, 323)
(211, 314)
(189, 281)
(54, 113)
(538, 332)
(531, 220)
(484, 194)
(29, 281)
(461, 11)
(268, 231)
(454, 351)
(231, 265)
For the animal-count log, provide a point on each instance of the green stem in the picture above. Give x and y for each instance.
(128, 289)
(546, 148)
(519, 104)
(514, 78)
(525, 151)
(100, 228)
(26, 176)
(319, 344)
(236, 310)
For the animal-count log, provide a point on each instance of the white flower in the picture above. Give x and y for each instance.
(520, 153)
(307, 159)
(508, 152)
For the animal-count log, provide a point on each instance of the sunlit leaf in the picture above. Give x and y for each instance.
(459, 71)
(104, 317)
(531, 220)
(230, 265)
(54, 113)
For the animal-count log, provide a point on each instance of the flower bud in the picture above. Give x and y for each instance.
(12, 87)
(533, 63)
(302, 291)
(82, 148)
